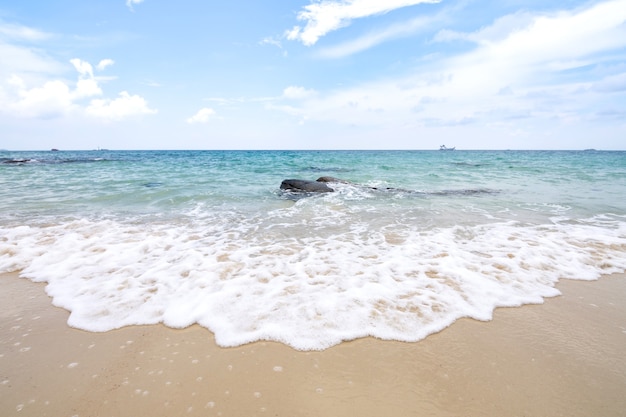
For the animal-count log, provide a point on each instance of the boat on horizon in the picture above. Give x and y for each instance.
(445, 148)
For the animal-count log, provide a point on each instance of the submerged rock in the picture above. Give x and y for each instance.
(332, 179)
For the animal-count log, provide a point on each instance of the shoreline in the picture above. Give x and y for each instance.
(562, 357)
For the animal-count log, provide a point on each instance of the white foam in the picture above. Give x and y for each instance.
(309, 276)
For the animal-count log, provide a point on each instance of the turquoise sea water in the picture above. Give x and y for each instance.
(415, 240)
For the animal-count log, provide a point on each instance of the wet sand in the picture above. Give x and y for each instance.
(566, 357)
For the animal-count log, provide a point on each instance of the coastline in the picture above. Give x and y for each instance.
(562, 357)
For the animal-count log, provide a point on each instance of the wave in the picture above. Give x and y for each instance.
(303, 276)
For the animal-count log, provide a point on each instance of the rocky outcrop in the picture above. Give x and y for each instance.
(320, 186)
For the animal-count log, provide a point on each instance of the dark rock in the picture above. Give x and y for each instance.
(332, 179)
(305, 186)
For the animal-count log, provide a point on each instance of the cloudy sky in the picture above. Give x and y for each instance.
(310, 74)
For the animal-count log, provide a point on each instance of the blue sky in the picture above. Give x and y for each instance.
(309, 74)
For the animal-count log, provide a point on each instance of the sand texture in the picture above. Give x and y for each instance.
(566, 357)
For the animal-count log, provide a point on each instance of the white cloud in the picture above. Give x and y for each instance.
(546, 45)
(86, 88)
(129, 3)
(57, 98)
(274, 42)
(298, 93)
(613, 83)
(22, 32)
(202, 116)
(527, 61)
(32, 84)
(502, 28)
(152, 83)
(29, 63)
(53, 99)
(120, 108)
(375, 38)
(84, 68)
(271, 41)
(569, 35)
(323, 17)
(104, 63)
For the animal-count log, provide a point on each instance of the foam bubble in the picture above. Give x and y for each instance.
(311, 275)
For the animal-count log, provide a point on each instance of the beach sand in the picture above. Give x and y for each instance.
(566, 357)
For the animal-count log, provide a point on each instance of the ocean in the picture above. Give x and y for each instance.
(408, 242)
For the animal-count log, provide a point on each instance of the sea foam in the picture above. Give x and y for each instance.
(310, 276)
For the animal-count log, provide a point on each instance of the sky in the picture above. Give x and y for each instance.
(311, 74)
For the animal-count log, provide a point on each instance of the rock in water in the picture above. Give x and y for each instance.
(332, 179)
(305, 186)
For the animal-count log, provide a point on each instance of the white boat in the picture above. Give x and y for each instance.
(445, 148)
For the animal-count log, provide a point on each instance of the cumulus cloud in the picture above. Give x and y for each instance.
(86, 88)
(57, 98)
(322, 17)
(119, 108)
(52, 99)
(202, 116)
(34, 85)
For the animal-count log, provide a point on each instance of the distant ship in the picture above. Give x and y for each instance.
(445, 148)
(54, 150)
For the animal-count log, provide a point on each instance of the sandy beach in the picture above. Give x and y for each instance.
(562, 358)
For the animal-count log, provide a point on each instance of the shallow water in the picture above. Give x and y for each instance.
(415, 240)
